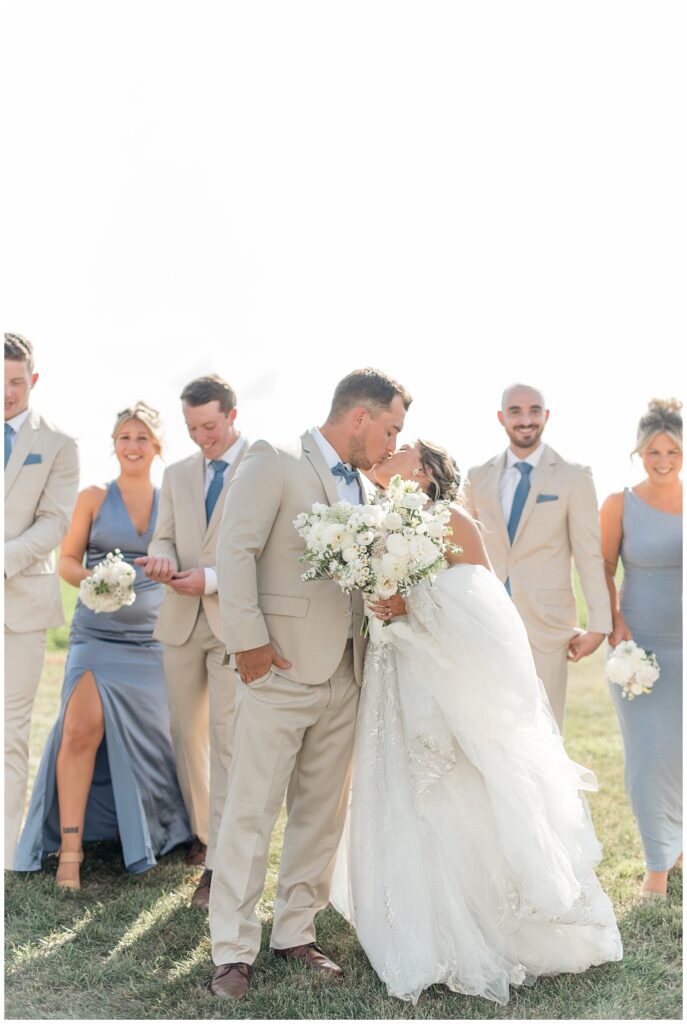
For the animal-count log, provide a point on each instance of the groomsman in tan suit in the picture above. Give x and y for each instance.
(538, 512)
(41, 481)
(182, 554)
(298, 651)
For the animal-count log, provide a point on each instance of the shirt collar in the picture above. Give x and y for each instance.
(534, 458)
(18, 421)
(230, 454)
(332, 457)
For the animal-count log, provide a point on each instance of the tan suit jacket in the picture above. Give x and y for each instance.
(262, 595)
(183, 535)
(552, 531)
(39, 499)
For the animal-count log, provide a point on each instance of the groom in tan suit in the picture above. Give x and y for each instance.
(298, 651)
(41, 481)
(182, 554)
(539, 511)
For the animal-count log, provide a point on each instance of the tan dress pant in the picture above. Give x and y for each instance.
(23, 666)
(552, 669)
(201, 693)
(294, 736)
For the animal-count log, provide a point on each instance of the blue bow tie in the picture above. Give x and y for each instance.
(349, 475)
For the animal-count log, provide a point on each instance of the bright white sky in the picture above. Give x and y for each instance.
(462, 194)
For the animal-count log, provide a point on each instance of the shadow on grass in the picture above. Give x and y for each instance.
(131, 947)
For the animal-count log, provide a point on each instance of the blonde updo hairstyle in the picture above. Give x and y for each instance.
(145, 414)
(662, 417)
(442, 470)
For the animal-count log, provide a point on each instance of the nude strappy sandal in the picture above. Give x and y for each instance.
(67, 857)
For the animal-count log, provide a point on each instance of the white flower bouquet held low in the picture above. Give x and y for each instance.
(110, 586)
(632, 668)
(381, 549)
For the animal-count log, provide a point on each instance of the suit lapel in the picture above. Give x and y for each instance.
(217, 511)
(493, 497)
(24, 443)
(316, 459)
(198, 491)
(538, 478)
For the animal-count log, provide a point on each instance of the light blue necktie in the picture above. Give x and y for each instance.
(519, 499)
(9, 431)
(219, 465)
(349, 475)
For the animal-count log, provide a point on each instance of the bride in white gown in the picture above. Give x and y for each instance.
(469, 852)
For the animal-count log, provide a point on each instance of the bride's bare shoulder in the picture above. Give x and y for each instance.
(461, 518)
(468, 536)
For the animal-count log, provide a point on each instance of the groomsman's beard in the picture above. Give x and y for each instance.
(532, 441)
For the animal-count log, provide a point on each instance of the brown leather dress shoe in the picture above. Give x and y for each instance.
(201, 897)
(312, 956)
(231, 981)
(196, 854)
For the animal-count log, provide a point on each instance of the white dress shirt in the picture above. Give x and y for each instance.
(228, 457)
(16, 423)
(347, 492)
(511, 477)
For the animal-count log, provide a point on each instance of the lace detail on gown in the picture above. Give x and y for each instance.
(468, 856)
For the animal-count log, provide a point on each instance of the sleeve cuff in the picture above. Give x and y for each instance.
(210, 581)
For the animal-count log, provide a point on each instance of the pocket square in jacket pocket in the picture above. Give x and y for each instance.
(32, 459)
(547, 497)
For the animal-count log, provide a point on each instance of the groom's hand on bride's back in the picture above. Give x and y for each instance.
(257, 662)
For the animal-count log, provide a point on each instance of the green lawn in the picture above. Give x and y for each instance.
(131, 947)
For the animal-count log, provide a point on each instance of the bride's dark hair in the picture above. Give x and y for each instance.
(442, 470)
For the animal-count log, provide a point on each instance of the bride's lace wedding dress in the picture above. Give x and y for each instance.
(469, 852)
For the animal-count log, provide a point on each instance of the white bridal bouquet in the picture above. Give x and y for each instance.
(111, 584)
(633, 668)
(380, 549)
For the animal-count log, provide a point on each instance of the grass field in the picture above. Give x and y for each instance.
(131, 947)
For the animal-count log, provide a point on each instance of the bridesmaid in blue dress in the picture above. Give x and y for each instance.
(108, 770)
(643, 525)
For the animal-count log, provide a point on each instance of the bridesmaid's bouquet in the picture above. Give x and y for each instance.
(380, 549)
(632, 668)
(110, 586)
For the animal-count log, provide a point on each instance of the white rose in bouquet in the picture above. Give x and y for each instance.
(382, 549)
(619, 670)
(392, 521)
(633, 669)
(110, 586)
(398, 545)
(413, 501)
